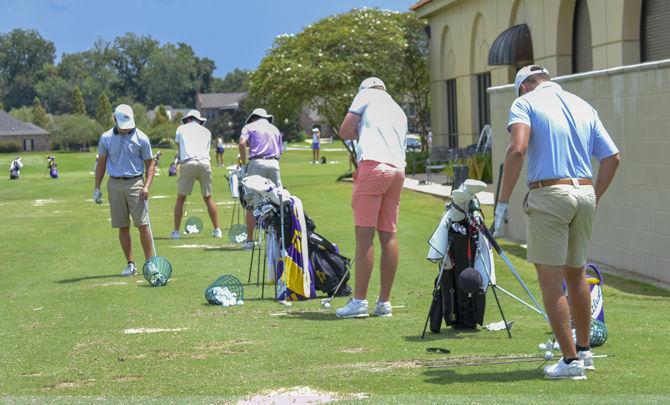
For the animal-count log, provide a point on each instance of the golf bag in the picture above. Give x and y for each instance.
(453, 304)
(53, 171)
(329, 266)
(172, 171)
(15, 169)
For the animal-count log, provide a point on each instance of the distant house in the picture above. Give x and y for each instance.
(309, 117)
(28, 135)
(211, 105)
(171, 112)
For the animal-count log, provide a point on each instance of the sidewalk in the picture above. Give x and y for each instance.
(436, 189)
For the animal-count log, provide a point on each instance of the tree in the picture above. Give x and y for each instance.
(171, 76)
(323, 65)
(54, 91)
(23, 54)
(129, 57)
(24, 114)
(74, 130)
(2, 106)
(78, 107)
(103, 111)
(39, 114)
(161, 117)
(235, 81)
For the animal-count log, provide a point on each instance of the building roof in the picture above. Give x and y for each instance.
(220, 100)
(11, 126)
(419, 4)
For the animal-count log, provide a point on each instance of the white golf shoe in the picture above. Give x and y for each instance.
(175, 235)
(354, 309)
(561, 370)
(217, 233)
(383, 309)
(130, 270)
(587, 357)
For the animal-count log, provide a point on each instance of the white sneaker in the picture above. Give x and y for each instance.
(248, 245)
(561, 370)
(175, 235)
(130, 270)
(587, 357)
(217, 233)
(383, 309)
(354, 309)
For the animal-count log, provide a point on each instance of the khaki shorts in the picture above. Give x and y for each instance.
(268, 168)
(560, 220)
(193, 170)
(125, 200)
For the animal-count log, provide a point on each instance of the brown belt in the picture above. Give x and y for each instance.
(553, 182)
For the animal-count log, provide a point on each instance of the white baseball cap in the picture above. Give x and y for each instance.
(124, 117)
(371, 82)
(525, 73)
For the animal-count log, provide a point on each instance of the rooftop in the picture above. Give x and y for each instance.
(11, 126)
(220, 100)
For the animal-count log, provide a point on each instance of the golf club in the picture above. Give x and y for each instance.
(326, 301)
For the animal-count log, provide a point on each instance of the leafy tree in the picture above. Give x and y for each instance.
(170, 76)
(235, 81)
(103, 111)
(161, 132)
(54, 91)
(129, 57)
(323, 65)
(39, 114)
(2, 106)
(69, 130)
(177, 117)
(228, 124)
(23, 54)
(24, 114)
(141, 115)
(161, 117)
(78, 107)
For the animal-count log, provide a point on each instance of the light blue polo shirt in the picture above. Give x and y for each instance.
(565, 132)
(125, 153)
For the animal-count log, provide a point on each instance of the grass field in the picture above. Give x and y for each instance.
(65, 308)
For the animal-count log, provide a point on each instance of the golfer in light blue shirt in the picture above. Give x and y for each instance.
(560, 133)
(125, 154)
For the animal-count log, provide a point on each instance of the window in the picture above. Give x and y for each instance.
(582, 55)
(484, 106)
(452, 114)
(655, 30)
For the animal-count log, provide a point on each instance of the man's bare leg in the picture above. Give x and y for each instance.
(145, 239)
(211, 209)
(126, 243)
(579, 298)
(388, 263)
(365, 256)
(556, 306)
(179, 210)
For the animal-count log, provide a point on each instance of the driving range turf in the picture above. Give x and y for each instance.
(66, 310)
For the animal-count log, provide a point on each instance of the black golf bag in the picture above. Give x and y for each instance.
(329, 266)
(451, 303)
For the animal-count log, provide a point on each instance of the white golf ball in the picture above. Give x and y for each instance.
(557, 346)
(326, 304)
(542, 347)
(548, 355)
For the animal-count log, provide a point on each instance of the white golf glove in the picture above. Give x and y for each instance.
(97, 196)
(500, 215)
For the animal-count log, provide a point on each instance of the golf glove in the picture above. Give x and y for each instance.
(243, 172)
(97, 196)
(500, 215)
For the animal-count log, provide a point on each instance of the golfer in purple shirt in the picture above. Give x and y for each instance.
(265, 147)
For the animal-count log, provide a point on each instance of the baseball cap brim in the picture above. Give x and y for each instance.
(124, 122)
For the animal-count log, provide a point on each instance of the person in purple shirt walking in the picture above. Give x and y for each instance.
(265, 147)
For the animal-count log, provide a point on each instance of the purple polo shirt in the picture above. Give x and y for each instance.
(264, 139)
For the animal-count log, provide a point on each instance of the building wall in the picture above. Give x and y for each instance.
(632, 228)
(462, 33)
(40, 142)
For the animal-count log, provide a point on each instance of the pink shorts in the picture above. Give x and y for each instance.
(376, 195)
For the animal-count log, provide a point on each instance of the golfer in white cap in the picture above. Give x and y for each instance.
(560, 133)
(125, 154)
(194, 143)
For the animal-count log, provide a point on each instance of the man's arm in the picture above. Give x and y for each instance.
(243, 150)
(100, 170)
(349, 127)
(514, 157)
(606, 171)
(151, 170)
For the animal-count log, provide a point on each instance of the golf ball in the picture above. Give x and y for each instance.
(557, 346)
(542, 347)
(548, 355)
(326, 304)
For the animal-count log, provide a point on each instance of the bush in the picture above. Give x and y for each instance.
(69, 131)
(10, 147)
(166, 143)
(416, 162)
(160, 132)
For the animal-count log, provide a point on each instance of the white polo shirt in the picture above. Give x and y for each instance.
(382, 131)
(194, 141)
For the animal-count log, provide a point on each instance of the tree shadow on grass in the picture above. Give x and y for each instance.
(78, 279)
(451, 376)
(315, 316)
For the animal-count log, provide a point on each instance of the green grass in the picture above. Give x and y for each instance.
(64, 309)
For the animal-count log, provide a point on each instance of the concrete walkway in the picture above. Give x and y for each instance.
(443, 191)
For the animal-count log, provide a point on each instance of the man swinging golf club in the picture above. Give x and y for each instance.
(560, 132)
(194, 141)
(125, 154)
(380, 126)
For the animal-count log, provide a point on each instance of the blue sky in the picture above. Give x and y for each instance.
(234, 33)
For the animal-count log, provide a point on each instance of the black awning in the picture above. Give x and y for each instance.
(512, 46)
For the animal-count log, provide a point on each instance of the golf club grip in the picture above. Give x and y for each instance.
(490, 238)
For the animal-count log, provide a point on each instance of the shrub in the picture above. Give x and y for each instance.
(74, 130)
(166, 143)
(10, 147)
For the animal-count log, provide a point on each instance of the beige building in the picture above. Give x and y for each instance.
(613, 53)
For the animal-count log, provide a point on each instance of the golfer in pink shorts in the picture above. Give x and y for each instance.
(380, 126)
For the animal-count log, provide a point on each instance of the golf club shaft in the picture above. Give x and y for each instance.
(339, 284)
(151, 232)
(523, 285)
(432, 302)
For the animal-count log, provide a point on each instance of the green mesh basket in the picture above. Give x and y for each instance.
(193, 225)
(224, 282)
(598, 333)
(157, 271)
(237, 233)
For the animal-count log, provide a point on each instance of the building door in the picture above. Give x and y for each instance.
(483, 103)
(655, 35)
(582, 52)
(28, 145)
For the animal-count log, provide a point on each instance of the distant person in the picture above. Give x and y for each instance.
(15, 168)
(125, 154)
(380, 126)
(265, 148)
(52, 167)
(316, 145)
(194, 142)
(220, 149)
(560, 133)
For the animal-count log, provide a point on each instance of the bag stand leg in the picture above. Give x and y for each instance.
(435, 292)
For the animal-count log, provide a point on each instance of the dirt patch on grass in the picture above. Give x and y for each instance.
(298, 396)
(126, 378)
(67, 384)
(354, 350)
(109, 284)
(383, 366)
(32, 374)
(138, 331)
